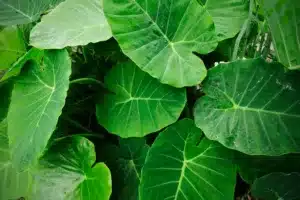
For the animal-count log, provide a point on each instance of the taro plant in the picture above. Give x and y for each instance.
(149, 99)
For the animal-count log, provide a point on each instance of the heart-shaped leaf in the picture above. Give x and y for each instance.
(251, 106)
(37, 100)
(160, 37)
(182, 164)
(140, 105)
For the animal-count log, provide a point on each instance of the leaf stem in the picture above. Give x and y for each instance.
(83, 135)
(87, 80)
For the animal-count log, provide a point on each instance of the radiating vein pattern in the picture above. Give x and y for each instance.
(160, 36)
(71, 23)
(193, 169)
(140, 105)
(13, 12)
(284, 21)
(251, 106)
(37, 100)
(13, 184)
(65, 172)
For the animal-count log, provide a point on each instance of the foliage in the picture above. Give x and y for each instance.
(149, 99)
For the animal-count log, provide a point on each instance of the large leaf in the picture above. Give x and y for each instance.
(37, 100)
(13, 185)
(125, 163)
(283, 17)
(65, 172)
(71, 23)
(14, 12)
(12, 46)
(251, 106)
(140, 105)
(228, 15)
(253, 167)
(160, 36)
(182, 164)
(278, 186)
(36, 55)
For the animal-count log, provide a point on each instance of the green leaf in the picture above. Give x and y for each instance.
(140, 105)
(160, 36)
(278, 186)
(228, 16)
(126, 165)
(81, 22)
(13, 185)
(65, 172)
(284, 21)
(182, 164)
(12, 46)
(13, 12)
(253, 167)
(37, 100)
(33, 54)
(251, 106)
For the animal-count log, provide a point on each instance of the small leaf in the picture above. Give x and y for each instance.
(182, 164)
(13, 184)
(278, 186)
(12, 46)
(71, 23)
(140, 105)
(228, 16)
(33, 54)
(161, 36)
(13, 12)
(251, 106)
(69, 174)
(37, 100)
(284, 21)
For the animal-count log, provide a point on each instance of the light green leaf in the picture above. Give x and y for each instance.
(13, 185)
(228, 16)
(182, 164)
(37, 100)
(65, 172)
(33, 54)
(13, 12)
(251, 106)
(12, 46)
(284, 21)
(277, 186)
(140, 105)
(71, 23)
(126, 165)
(160, 36)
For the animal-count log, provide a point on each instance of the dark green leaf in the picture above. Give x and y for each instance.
(140, 105)
(251, 106)
(182, 164)
(81, 22)
(160, 36)
(283, 17)
(37, 100)
(277, 186)
(66, 172)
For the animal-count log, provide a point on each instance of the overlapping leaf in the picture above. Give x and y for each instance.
(37, 100)
(12, 46)
(65, 172)
(251, 106)
(228, 15)
(182, 164)
(140, 105)
(160, 36)
(71, 23)
(277, 186)
(284, 21)
(13, 12)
